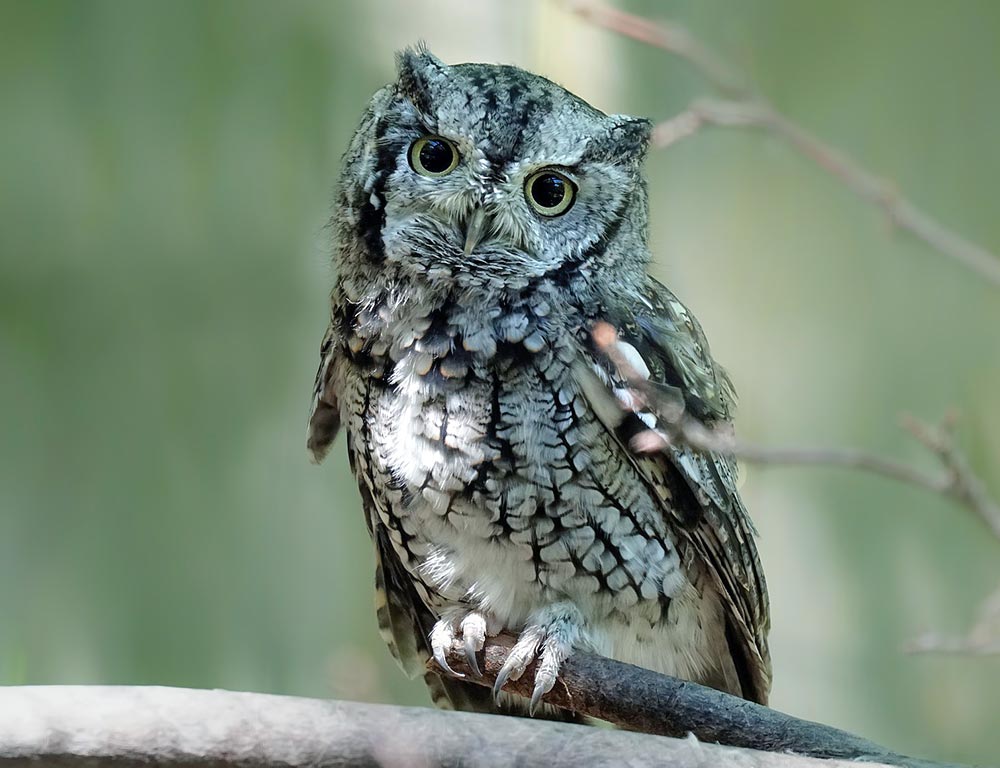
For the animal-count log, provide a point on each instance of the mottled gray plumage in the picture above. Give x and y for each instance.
(492, 438)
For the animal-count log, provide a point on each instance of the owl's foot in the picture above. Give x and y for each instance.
(550, 636)
(472, 626)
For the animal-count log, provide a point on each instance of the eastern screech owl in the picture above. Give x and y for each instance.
(488, 224)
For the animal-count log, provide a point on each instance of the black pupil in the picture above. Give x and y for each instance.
(435, 156)
(548, 190)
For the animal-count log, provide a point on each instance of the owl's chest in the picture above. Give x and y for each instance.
(462, 420)
(449, 394)
(481, 481)
(491, 472)
(448, 424)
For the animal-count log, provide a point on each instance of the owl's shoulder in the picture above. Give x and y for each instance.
(669, 341)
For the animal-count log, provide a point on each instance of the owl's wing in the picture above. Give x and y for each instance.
(324, 415)
(662, 343)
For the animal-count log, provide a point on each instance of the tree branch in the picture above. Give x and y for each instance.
(638, 699)
(667, 36)
(72, 726)
(746, 108)
(958, 483)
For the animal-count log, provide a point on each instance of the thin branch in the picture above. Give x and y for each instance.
(667, 36)
(960, 484)
(957, 483)
(125, 727)
(845, 458)
(867, 186)
(749, 110)
(641, 700)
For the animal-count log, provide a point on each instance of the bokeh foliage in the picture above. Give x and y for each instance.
(165, 174)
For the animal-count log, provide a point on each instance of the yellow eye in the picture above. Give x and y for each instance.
(550, 192)
(433, 156)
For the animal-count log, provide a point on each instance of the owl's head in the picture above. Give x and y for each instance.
(490, 176)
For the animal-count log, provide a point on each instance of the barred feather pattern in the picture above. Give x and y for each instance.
(490, 436)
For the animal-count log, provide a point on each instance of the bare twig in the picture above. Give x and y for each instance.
(958, 482)
(125, 727)
(747, 109)
(667, 36)
(640, 700)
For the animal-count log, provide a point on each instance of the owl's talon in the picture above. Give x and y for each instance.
(550, 638)
(501, 681)
(442, 660)
(441, 638)
(474, 630)
(473, 627)
(541, 688)
(470, 656)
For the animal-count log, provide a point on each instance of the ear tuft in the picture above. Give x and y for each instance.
(419, 69)
(631, 135)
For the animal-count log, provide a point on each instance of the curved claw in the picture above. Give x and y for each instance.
(470, 655)
(502, 677)
(442, 661)
(541, 688)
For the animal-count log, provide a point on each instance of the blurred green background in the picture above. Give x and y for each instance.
(165, 176)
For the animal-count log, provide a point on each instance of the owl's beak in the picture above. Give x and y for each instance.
(475, 229)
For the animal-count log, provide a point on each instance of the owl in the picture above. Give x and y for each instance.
(498, 358)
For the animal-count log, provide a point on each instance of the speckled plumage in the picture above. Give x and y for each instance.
(490, 436)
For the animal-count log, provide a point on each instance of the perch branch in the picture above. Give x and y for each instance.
(745, 108)
(637, 699)
(125, 727)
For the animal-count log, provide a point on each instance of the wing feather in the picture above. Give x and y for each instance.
(324, 415)
(660, 341)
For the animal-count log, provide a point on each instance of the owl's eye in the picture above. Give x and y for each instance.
(550, 193)
(433, 156)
